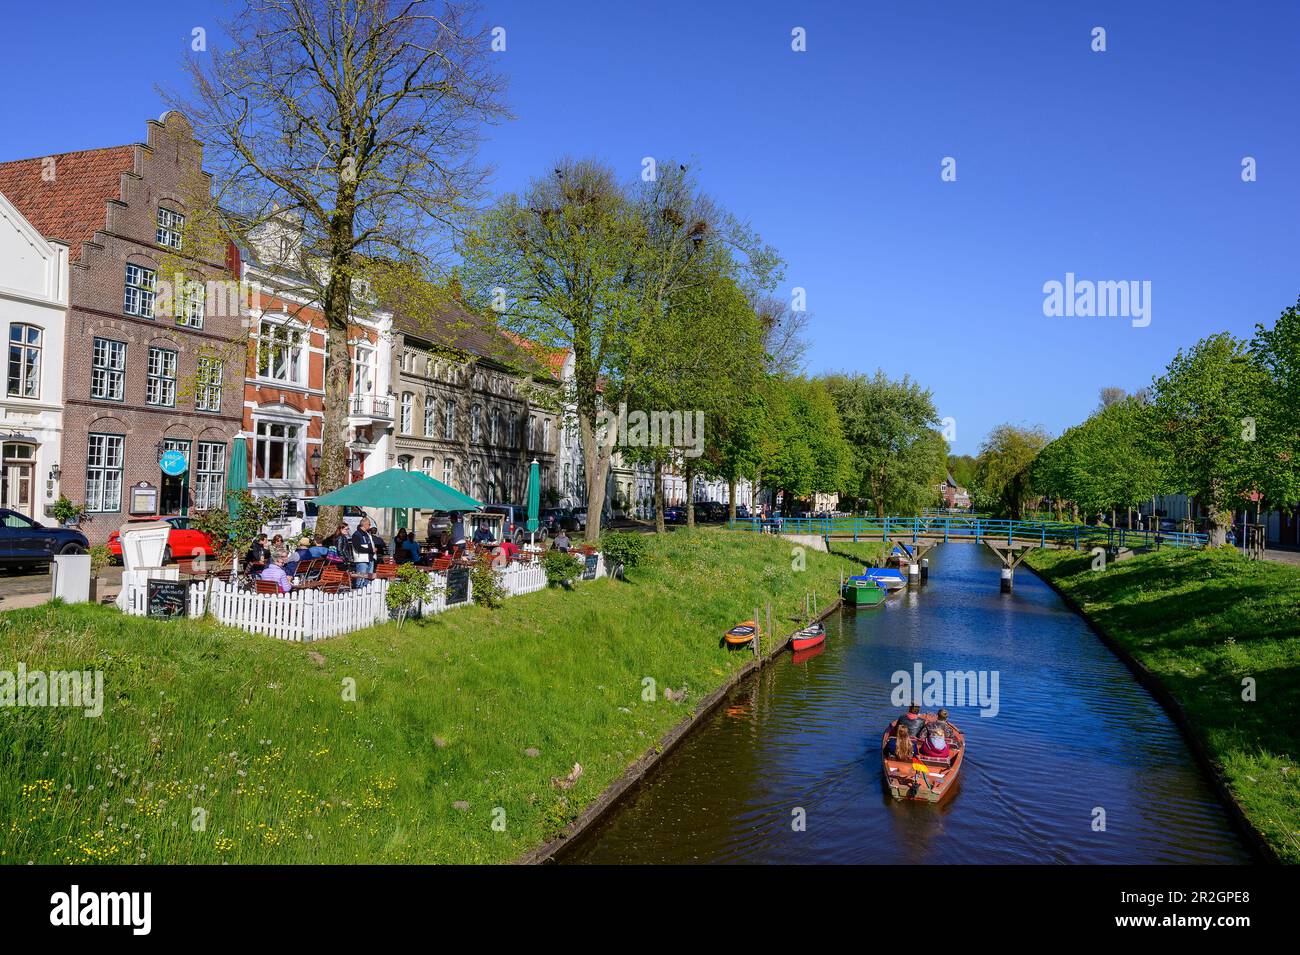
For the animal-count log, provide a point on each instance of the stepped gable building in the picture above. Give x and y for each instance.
(154, 365)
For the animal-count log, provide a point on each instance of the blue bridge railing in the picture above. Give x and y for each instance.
(978, 529)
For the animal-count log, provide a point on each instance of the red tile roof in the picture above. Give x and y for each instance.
(73, 207)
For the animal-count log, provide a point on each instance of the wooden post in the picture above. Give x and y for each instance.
(758, 633)
(769, 616)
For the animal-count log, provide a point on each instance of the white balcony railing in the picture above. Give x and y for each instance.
(371, 406)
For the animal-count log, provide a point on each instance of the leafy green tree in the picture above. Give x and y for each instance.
(898, 457)
(1277, 349)
(1207, 408)
(962, 469)
(1002, 469)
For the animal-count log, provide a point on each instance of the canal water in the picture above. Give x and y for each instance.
(799, 742)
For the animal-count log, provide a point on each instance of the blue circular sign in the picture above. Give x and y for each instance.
(173, 463)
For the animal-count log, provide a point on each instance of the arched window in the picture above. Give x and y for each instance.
(408, 412)
(430, 415)
(475, 485)
(494, 429)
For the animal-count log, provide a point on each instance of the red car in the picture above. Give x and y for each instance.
(182, 540)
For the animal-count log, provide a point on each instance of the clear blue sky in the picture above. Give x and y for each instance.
(1117, 165)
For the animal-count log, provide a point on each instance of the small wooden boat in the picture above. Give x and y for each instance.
(862, 592)
(741, 635)
(920, 777)
(808, 637)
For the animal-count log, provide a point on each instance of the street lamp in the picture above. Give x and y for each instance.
(315, 468)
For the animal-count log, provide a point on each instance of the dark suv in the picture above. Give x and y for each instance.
(28, 543)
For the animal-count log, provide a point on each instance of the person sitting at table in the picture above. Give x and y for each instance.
(278, 547)
(275, 571)
(410, 549)
(400, 553)
(341, 542)
(561, 542)
(259, 555)
(509, 548)
(444, 542)
(483, 536)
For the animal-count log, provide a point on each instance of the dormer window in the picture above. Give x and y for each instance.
(170, 226)
(286, 248)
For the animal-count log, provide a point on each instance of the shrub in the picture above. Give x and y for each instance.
(66, 512)
(560, 568)
(487, 586)
(100, 557)
(623, 548)
(412, 586)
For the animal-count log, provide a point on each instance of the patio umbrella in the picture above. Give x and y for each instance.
(398, 488)
(236, 474)
(534, 499)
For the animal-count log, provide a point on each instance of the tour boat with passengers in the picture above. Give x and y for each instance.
(919, 777)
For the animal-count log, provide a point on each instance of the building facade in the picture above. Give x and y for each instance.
(33, 311)
(154, 355)
(474, 409)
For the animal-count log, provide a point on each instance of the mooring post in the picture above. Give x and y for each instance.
(913, 574)
(925, 568)
(1006, 580)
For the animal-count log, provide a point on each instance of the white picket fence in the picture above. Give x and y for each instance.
(303, 616)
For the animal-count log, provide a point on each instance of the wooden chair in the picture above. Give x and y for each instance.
(334, 579)
(266, 587)
(386, 571)
(442, 563)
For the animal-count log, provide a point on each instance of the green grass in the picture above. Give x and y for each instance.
(862, 553)
(258, 735)
(1203, 622)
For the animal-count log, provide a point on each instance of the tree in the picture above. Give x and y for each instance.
(802, 450)
(1277, 350)
(962, 469)
(1002, 469)
(898, 462)
(580, 262)
(352, 124)
(1206, 409)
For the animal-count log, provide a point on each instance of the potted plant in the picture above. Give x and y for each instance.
(67, 513)
(100, 557)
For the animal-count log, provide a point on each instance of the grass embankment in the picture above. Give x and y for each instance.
(1203, 622)
(459, 722)
(864, 553)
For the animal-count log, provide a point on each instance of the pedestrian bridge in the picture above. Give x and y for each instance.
(1010, 540)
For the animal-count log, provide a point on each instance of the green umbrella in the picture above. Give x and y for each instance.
(534, 496)
(236, 475)
(399, 488)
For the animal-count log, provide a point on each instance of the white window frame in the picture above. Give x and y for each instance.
(141, 286)
(209, 476)
(291, 452)
(280, 339)
(105, 454)
(170, 226)
(27, 382)
(430, 416)
(160, 381)
(449, 419)
(207, 383)
(408, 412)
(108, 369)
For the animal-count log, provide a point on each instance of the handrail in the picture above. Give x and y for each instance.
(977, 529)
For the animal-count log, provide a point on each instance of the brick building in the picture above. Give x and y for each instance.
(141, 377)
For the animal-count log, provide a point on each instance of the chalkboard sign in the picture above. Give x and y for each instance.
(167, 599)
(589, 571)
(457, 585)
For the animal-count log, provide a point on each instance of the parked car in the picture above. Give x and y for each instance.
(674, 515)
(712, 511)
(182, 540)
(299, 518)
(742, 512)
(555, 519)
(579, 518)
(516, 519)
(28, 543)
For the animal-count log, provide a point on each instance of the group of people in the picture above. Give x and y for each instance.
(916, 736)
(273, 560)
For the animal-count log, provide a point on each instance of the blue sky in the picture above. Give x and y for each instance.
(1122, 165)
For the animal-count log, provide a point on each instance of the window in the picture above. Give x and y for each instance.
(474, 482)
(427, 468)
(210, 476)
(449, 420)
(546, 434)
(494, 428)
(207, 384)
(514, 430)
(430, 416)
(404, 462)
(448, 466)
(24, 361)
(492, 483)
(476, 423)
(276, 453)
(141, 284)
(189, 303)
(286, 248)
(107, 370)
(408, 412)
(532, 430)
(170, 225)
(279, 352)
(160, 389)
(104, 472)
(363, 370)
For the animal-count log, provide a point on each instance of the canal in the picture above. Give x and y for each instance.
(1074, 733)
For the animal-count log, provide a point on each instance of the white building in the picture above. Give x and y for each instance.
(33, 313)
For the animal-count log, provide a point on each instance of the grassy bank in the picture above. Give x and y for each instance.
(1202, 623)
(450, 752)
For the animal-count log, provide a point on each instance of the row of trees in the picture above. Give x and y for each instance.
(1221, 424)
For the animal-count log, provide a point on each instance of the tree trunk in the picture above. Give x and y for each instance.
(731, 499)
(659, 497)
(688, 471)
(597, 453)
(333, 473)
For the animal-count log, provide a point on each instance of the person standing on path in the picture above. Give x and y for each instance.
(363, 551)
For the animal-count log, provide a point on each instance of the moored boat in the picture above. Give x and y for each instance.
(887, 577)
(808, 637)
(921, 777)
(863, 592)
(802, 656)
(741, 635)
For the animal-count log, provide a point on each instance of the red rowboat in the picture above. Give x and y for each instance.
(808, 637)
